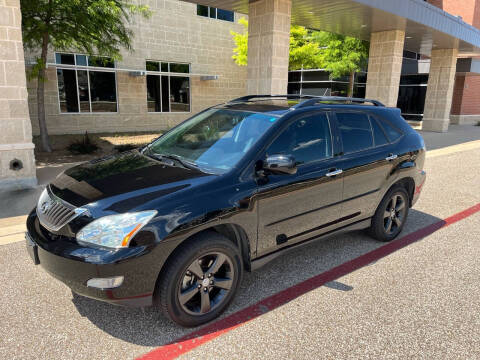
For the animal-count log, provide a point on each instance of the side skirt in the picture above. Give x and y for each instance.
(265, 259)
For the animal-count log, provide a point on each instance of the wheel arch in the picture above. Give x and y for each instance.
(233, 232)
(409, 184)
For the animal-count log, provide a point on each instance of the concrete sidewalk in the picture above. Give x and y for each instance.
(457, 134)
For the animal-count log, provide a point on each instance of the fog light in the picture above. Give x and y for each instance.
(105, 283)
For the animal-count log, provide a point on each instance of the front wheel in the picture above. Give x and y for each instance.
(200, 280)
(391, 215)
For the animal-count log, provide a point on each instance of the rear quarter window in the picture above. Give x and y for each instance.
(392, 132)
(378, 133)
(355, 131)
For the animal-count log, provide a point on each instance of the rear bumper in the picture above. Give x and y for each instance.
(74, 265)
(419, 182)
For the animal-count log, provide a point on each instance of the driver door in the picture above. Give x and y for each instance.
(295, 208)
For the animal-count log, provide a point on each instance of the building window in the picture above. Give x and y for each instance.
(214, 13)
(168, 91)
(83, 90)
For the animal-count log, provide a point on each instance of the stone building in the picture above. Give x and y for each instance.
(17, 164)
(181, 63)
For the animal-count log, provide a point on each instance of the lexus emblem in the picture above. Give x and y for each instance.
(45, 206)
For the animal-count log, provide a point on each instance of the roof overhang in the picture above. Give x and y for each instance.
(426, 26)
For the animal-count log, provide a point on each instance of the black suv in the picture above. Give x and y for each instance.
(176, 222)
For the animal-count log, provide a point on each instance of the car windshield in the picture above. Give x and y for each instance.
(214, 140)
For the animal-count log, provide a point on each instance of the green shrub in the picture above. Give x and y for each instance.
(83, 146)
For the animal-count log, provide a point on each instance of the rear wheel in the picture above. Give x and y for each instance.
(391, 215)
(201, 280)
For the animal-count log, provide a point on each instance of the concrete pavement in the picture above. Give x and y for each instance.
(420, 302)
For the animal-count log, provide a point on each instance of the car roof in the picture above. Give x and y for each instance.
(275, 107)
(279, 105)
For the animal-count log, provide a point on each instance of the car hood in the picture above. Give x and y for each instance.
(127, 176)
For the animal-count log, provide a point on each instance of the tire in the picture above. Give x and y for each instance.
(387, 224)
(181, 292)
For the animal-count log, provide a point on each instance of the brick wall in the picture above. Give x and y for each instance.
(469, 10)
(468, 102)
(16, 134)
(467, 89)
(174, 33)
(458, 94)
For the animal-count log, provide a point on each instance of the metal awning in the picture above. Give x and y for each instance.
(132, 72)
(425, 25)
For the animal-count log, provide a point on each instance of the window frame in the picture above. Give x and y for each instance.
(169, 75)
(381, 120)
(340, 138)
(86, 68)
(375, 146)
(285, 126)
(216, 13)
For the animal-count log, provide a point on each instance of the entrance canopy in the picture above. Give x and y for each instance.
(426, 27)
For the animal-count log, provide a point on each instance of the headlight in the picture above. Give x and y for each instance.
(115, 231)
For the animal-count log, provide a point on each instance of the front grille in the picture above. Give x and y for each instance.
(54, 213)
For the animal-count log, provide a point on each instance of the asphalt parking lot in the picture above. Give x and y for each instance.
(419, 301)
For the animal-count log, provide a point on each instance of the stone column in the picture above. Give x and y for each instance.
(17, 163)
(268, 46)
(438, 101)
(385, 66)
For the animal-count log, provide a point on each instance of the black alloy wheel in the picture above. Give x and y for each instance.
(206, 283)
(391, 215)
(200, 279)
(394, 214)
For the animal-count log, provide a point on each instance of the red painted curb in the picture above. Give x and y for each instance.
(222, 326)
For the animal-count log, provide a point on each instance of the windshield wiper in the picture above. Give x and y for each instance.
(162, 157)
(183, 162)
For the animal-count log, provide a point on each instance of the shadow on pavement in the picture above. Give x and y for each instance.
(18, 202)
(21, 202)
(148, 327)
(337, 285)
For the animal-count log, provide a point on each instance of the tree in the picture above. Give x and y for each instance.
(240, 53)
(303, 52)
(310, 49)
(341, 55)
(90, 26)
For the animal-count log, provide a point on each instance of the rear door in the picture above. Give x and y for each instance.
(366, 162)
(294, 208)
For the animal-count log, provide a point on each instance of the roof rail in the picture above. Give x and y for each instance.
(315, 100)
(288, 96)
(310, 99)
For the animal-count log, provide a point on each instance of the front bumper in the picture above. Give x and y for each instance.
(74, 265)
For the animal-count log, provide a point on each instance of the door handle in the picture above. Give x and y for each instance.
(391, 157)
(334, 172)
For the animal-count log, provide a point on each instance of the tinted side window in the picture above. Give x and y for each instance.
(355, 131)
(378, 134)
(307, 139)
(392, 133)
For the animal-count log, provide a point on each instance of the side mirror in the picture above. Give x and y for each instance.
(280, 165)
